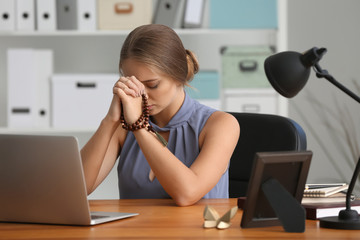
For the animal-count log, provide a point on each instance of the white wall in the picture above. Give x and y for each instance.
(331, 24)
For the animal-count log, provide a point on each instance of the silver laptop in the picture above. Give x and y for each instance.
(41, 181)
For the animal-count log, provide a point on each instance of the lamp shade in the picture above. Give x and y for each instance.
(289, 71)
(286, 73)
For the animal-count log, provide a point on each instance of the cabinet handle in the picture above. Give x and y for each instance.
(248, 66)
(251, 108)
(125, 7)
(85, 85)
(42, 112)
(20, 110)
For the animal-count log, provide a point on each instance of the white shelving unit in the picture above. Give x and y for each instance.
(98, 52)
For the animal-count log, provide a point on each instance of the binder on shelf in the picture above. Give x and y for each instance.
(76, 15)
(86, 15)
(25, 15)
(7, 15)
(45, 15)
(170, 13)
(29, 72)
(194, 14)
(66, 14)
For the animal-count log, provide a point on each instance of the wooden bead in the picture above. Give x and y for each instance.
(142, 122)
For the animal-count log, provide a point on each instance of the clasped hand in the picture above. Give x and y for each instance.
(127, 92)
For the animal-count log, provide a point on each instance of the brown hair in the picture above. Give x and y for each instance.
(159, 46)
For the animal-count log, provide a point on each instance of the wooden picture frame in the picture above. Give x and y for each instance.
(289, 168)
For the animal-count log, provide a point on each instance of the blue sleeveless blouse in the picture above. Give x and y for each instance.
(185, 128)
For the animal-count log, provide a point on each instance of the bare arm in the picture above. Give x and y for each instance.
(188, 185)
(99, 154)
(101, 151)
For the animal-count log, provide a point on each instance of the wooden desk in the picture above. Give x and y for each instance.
(161, 219)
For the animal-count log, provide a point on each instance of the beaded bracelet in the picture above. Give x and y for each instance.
(142, 122)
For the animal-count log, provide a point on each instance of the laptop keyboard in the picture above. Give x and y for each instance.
(94, 217)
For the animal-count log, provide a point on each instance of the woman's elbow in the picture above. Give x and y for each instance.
(89, 190)
(184, 202)
(186, 199)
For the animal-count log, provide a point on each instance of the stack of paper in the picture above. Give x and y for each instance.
(325, 193)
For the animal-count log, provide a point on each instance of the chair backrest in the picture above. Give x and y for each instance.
(260, 133)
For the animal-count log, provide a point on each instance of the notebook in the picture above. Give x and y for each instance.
(41, 181)
(326, 191)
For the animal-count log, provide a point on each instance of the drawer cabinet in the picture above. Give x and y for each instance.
(81, 101)
(254, 100)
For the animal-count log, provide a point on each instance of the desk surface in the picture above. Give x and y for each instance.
(162, 219)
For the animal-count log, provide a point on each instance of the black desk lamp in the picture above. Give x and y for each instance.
(288, 73)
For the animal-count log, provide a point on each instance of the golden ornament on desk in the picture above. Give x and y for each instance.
(213, 219)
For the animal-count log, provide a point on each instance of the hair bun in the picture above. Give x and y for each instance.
(193, 65)
(160, 47)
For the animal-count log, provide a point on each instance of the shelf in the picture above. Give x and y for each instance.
(192, 31)
(235, 91)
(34, 130)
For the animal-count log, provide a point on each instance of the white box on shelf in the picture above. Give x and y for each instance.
(251, 100)
(25, 15)
(123, 14)
(7, 15)
(29, 72)
(81, 101)
(45, 15)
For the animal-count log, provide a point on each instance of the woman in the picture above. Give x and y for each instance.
(183, 149)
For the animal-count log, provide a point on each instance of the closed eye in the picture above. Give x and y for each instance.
(151, 83)
(153, 86)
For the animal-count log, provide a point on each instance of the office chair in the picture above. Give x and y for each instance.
(260, 133)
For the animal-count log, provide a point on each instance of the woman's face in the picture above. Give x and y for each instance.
(162, 91)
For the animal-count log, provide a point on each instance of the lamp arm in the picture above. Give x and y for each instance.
(321, 73)
(352, 185)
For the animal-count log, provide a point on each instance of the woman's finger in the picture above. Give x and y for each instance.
(139, 86)
(132, 83)
(121, 84)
